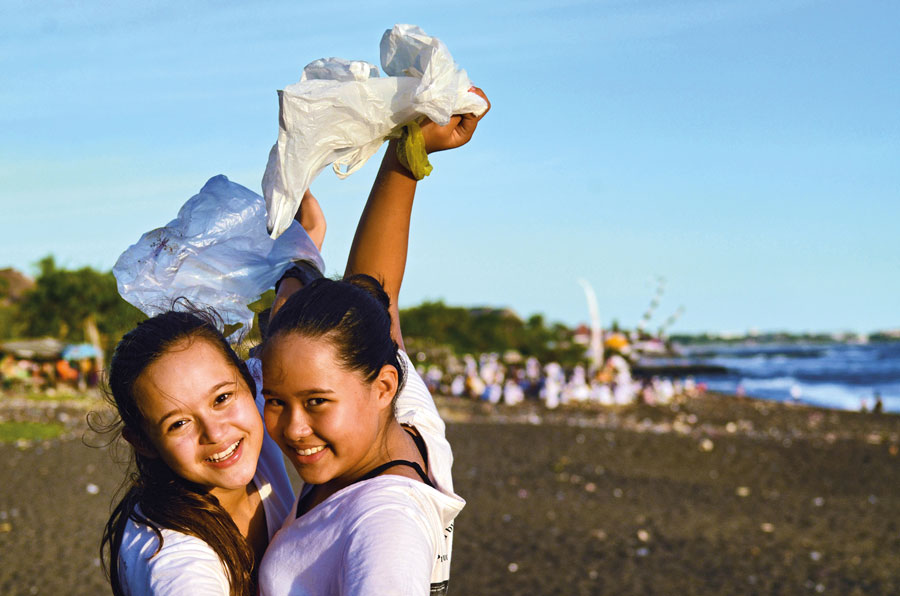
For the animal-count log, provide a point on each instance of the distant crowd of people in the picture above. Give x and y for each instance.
(488, 378)
(35, 375)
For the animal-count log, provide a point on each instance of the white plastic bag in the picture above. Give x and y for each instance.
(341, 111)
(216, 253)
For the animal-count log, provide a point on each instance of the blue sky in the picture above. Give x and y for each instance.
(747, 151)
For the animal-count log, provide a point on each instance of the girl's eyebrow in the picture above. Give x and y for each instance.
(301, 393)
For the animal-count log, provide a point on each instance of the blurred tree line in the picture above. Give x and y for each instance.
(475, 330)
(76, 306)
(84, 305)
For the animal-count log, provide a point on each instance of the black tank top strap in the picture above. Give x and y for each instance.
(419, 441)
(423, 451)
(399, 462)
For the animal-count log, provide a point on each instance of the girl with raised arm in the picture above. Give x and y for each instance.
(376, 513)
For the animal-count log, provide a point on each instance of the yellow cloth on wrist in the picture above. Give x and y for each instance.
(411, 151)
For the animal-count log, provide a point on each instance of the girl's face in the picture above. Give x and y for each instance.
(200, 416)
(328, 421)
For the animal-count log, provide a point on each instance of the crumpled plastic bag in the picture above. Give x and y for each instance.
(341, 111)
(216, 253)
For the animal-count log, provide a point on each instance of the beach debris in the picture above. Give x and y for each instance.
(643, 535)
(707, 445)
(522, 494)
(680, 427)
(92, 489)
(506, 518)
(579, 438)
(767, 527)
(873, 499)
(642, 552)
(593, 574)
(617, 493)
(561, 464)
(513, 567)
(731, 427)
(818, 501)
(742, 491)
(893, 450)
(874, 439)
(590, 487)
(598, 533)
(575, 479)
(815, 555)
(5, 527)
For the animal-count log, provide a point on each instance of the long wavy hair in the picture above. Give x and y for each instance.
(156, 496)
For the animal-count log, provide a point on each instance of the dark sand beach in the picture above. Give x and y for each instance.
(715, 495)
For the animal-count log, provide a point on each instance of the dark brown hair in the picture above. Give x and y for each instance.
(352, 314)
(164, 499)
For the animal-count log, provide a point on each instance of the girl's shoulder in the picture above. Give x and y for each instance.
(182, 564)
(389, 500)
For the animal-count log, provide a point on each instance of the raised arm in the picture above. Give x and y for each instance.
(381, 242)
(311, 217)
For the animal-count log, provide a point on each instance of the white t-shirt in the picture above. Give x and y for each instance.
(186, 565)
(386, 535)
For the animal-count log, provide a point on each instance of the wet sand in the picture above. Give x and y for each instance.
(716, 495)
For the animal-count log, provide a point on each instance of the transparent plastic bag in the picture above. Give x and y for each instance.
(341, 111)
(216, 253)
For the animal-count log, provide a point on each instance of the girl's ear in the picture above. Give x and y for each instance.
(140, 445)
(385, 385)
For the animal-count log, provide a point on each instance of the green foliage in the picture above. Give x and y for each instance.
(63, 301)
(10, 326)
(476, 330)
(10, 432)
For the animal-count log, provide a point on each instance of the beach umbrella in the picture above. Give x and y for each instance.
(79, 352)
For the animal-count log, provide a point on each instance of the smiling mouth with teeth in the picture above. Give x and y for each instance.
(223, 455)
(310, 451)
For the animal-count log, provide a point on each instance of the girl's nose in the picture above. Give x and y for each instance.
(298, 427)
(214, 430)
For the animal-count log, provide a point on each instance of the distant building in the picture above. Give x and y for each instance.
(13, 286)
(582, 335)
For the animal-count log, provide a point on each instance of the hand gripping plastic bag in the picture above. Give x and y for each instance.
(216, 253)
(341, 112)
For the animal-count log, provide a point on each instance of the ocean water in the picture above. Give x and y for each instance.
(843, 376)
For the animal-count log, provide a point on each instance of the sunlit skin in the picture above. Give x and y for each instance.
(201, 419)
(333, 426)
